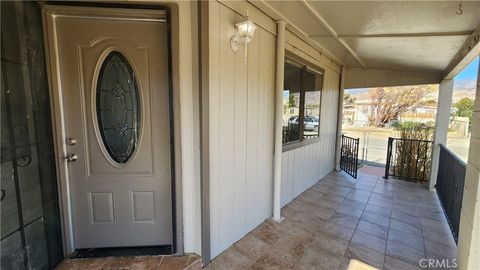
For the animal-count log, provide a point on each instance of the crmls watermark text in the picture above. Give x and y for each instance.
(438, 263)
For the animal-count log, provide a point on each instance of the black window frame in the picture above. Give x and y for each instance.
(305, 67)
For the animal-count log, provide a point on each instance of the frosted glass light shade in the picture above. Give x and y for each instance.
(244, 31)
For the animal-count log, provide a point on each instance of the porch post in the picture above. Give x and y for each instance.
(339, 120)
(441, 126)
(469, 234)
(277, 173)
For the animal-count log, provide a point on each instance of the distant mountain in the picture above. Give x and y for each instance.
(465, 85)
(356, 91)
(459, 94)
(464, 88)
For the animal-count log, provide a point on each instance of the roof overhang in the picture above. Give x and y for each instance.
(418, 38)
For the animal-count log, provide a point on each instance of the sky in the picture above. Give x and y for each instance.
(469, 72)
(467, 78)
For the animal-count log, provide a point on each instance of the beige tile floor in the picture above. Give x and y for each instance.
(340, 221)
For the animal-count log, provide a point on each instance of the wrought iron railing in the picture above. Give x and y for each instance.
(349, 155)
(450, 183)
(409, 159)
(291, 133)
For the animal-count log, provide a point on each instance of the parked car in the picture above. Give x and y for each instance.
(293, 120)
(311, 123)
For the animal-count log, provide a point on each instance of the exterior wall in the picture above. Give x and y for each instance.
(241, 125)
(302, 167)
(241, 104)
(185, 67)
(30, 223)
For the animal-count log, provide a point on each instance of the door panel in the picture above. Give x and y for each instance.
(120, 185)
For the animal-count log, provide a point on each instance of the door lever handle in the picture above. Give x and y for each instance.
(71, 158)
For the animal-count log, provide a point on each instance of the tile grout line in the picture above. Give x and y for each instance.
(388, 229)
(349, 241)
(363, 211)
(423, 239)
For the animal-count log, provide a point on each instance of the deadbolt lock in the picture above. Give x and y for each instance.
(71, 158)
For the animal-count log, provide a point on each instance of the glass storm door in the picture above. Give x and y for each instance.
(114, 83)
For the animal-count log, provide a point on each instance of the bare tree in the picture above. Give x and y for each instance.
(349, 99)
(388, 103)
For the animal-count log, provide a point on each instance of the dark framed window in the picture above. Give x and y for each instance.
(301, 103)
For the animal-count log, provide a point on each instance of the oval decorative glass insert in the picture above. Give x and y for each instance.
(118, 107)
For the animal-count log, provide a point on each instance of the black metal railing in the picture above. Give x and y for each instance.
(291, 133)
(409, 159)
(349, 155)
(450, 183)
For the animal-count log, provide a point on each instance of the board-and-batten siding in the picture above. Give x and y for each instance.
(241, 97)
(302, 167)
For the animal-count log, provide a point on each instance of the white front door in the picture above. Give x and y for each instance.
(113, 78)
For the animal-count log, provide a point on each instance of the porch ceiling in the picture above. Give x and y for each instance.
(416, 36)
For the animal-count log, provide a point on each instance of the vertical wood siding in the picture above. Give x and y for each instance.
(241, 130)
(241, 97)
(302, 167)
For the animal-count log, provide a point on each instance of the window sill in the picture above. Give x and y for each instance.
(297, 144)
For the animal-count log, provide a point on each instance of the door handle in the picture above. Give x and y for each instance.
(71, 158)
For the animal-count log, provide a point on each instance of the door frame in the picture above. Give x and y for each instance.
(134, 11)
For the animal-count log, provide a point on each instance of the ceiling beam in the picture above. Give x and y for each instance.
(403, 35)
(332, 31)
(469, 50)
(276, 15)
(366, 78)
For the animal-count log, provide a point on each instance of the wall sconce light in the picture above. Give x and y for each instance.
(244, 31)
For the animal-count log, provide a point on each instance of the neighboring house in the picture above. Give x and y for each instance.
(428, 110)
(423, 114)
(355, 115)
(157, 126)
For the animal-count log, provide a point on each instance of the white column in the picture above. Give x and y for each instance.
(469, 235)
(277, 173)
(340, 120)
(441, 126)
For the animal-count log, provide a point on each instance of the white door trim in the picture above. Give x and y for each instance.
(49, 15)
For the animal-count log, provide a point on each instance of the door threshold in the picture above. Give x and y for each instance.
(121, 251)
(149, 262)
